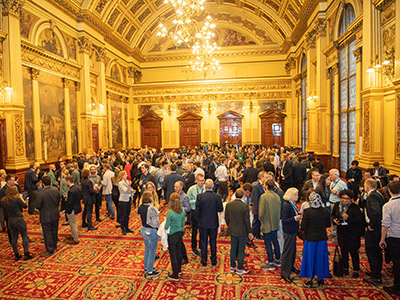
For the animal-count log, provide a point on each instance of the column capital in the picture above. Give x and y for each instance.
(11, 7)
(34, 73)
(100, 53)
(335, 68)
(358, 54)
(310, 40)
(84, 44)
(78, 85)
(66, 82)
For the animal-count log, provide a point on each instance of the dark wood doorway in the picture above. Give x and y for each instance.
(189, 130)
(230, 128)
(272, 128)
(3, 144)
(95, 137)
(150, 131)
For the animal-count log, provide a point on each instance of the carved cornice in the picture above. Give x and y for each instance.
(382, 4)
(304, 14)
(12, 7)
(37, 58)
(290, 65)
(66, 82)
(84, 44)
(117, 87)
(352, 30)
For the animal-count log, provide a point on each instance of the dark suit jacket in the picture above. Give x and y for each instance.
(210, 171)
(355, 174)
(88, 192)
(169, 183)
(237, 217)
(269, 167)
(298, 172)
(289, 224)
(314, 224)
(258, 190)
(287, 172)
(74, 200)
(307, 185)
(250, 175)
(208, 205)
(189, 181)
(47, 202)
(30, 180)
(373, 207)
(383, 173)
(349, 234)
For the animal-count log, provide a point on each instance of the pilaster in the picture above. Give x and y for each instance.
(37, 131)
(358, 54)
(336, 139)
(67, 118)
(102, 97)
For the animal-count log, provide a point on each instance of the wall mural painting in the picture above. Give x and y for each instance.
(115, 74)
(49, 41)
(150, 109)
(124, 72)
(74, 121)
(29, 138)
(26, 22)
(278, 105)
(189, 107)
(52, 119)
(71, 45)
(116, 119)
(223, 107)
(230, 37)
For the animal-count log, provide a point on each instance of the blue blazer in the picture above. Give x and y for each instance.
(258, 190)
(208, 205)
(289, 224)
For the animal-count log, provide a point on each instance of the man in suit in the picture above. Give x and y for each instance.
(146, 177)
(311, 183)
(250, 173)
(269, 166)
(379, 173)
(73, 208)
(189, 176)
(208, 205)
(373, 218)
(48, 200)
(286, 172)
(237, 217)
(258, 190)
(170, 180)
(353, 178)
(31, 180)
(299, 173)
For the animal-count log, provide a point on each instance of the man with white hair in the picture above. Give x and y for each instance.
(337, 185)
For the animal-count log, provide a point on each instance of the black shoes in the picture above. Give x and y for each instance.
(196, 252)
(295, 271)
(203, 263)
(98, 220)
(84, 225)
(373, 281)
(287, 279)
(346, 272)
(390, 290)
(308, 284)
(27, 256)
(356, 274)
(92, 228)
(153, 274)
(251, 245)
(124, 231)
(173, 277)
(320, 282)
(17, 257)
(129, 231)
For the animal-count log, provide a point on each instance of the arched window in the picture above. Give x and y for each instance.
(304, 102)
(347, 17)
(347, 95)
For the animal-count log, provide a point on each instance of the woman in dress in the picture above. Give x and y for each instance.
(150, 223)
(315, 260)
(124, 201)
(175, 222)
(12, 205)
(348, 218)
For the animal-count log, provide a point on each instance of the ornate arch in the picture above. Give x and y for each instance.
(357, 7)
(114, 70)
(46, 35)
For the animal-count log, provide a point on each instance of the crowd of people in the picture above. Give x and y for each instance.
(276, 195)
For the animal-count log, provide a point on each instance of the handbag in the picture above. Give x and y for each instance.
(337, 263)
(300, 234)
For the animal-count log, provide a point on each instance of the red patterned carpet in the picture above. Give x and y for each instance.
(107, 265)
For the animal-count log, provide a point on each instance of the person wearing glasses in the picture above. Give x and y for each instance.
(348, 218)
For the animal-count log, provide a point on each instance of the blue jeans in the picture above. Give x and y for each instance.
(110, 208)
(150, 238)
(238, 245)
(269, 239)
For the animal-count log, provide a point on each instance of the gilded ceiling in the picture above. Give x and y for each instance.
(267, 24)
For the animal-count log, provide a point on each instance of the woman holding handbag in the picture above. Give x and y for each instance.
(348, 218)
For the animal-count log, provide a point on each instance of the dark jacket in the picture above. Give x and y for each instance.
(208, 205)
(269, 167)
(373, 208)
(88, 192)
(349, 234)
(189, 180)
(289, 224)
(307, 185)
(13, 208)
(47, 202)
(31, 180)
(169, 183)
(250, 174)
(299, 172)
(74, 200)
(237, 217)
(314, 224)
(355, 174)
(258, 190)
(287, 172)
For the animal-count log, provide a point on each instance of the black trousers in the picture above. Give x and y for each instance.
(87, 215)
(116, 203)
(125, 210)
(175, 244)
(223, 189)
(393, 245)
(50, 235)
(347, 248)
(194, 229)
(18, 226)
(256, 226)
(211, 235)
(32, 201)
(374, 252)
(289, 254)
(97, 205)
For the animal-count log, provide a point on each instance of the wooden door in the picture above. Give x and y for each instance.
(230, 128)
(189, 130)
(95, 137)
(3, 144)
(272, 128)
(150, 129)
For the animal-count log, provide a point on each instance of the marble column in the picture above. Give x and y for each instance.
(67, 118)
(37, 131)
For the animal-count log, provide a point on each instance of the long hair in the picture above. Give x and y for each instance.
(175, 203)
(11, 193)
(154, 192)
(120, 175)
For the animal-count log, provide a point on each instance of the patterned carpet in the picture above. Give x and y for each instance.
(107, 265)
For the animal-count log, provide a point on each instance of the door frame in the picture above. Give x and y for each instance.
(154, 119)
(189, 117)
(274, 117)
(230, 114)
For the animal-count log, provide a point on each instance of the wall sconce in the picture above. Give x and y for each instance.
(251, 107)
(386, 67)
(209, 108)
(6, 93)
(312, 98)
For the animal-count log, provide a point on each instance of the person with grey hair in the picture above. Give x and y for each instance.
(208, 205)
(337, 185)
(315, 261)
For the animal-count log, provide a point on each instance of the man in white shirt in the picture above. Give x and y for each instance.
(107, 189)
(221, 176)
